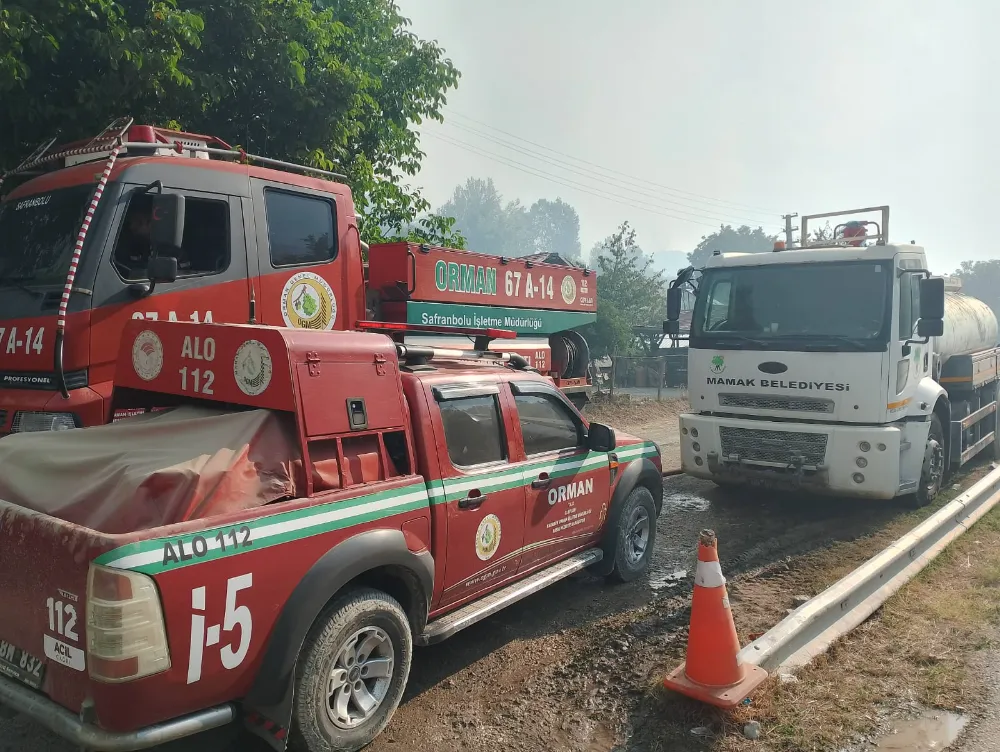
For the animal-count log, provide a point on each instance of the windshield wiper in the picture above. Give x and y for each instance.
(821, 342)
(722, 341)
(20, 283)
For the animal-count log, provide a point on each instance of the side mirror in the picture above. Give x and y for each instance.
(162, 269)
(932, 298)
(930, 327)
(672, 328)
(167, 228)
(673, 303)
(601, 438)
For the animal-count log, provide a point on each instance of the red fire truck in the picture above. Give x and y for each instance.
(303, 510)
(146, 223)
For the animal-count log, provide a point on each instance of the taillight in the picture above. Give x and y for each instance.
(126, 635)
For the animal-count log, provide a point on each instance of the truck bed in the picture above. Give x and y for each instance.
(152, 470)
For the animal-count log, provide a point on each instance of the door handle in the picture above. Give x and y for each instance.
(473, 501)
(542, 481)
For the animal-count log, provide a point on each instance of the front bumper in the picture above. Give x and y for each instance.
(771, 455)
(88, 736)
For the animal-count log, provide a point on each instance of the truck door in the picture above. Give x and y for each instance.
(483, 493)
(303, 256)
(568, 487)
(212, 272)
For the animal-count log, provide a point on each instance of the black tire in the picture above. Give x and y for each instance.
(931, 477)
(313, 728)
(638, 506)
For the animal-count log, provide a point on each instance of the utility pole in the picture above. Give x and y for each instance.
(789, 229)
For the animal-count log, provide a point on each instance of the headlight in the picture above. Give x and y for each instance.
(25, 422)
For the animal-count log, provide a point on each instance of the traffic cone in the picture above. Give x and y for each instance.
(713, 671)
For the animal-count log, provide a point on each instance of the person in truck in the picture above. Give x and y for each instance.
(204, 241)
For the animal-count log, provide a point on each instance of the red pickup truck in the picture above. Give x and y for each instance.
(287, 515)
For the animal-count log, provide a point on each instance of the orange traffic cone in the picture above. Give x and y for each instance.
(713, 671)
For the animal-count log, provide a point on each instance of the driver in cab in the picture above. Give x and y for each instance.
(135, 246)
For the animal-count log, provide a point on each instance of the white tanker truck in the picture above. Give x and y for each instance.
(841, 368)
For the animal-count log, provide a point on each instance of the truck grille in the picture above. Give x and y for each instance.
(782, 447)
(755, 402)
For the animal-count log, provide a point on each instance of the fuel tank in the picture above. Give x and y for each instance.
(969, 326)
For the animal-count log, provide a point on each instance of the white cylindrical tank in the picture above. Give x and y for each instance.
(969, 326)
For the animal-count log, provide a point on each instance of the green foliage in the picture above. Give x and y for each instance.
(509, 229)
(339, 84)
(729, 240)
(630, 292)
(555, 228)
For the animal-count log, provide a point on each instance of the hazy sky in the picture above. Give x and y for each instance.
(728, 110)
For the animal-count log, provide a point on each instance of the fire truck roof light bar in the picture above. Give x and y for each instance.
(393, 326)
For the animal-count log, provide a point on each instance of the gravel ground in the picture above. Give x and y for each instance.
(983, 734)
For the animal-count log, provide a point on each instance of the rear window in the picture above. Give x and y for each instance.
(300, 229)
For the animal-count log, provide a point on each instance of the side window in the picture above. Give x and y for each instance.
(206, 245)
(546, 424)
(909, 304)
(300, 229)
(473, 430)
(717, 310)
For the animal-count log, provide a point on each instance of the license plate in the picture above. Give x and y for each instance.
(21, 665)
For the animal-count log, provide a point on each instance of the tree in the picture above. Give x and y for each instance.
(555, 228)
(491, 225)
(727, 240)
(981, 279)
(629, 293)
(339, 84)
(821, 234)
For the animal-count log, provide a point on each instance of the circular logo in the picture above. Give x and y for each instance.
(308, 302)
(718, 364)
(488, 537)
(147, 355)
(568, 289)
(252, 367)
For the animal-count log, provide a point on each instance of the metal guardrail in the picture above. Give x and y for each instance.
(811, 628)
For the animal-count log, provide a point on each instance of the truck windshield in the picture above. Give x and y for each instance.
(37, 235)
(837, 306)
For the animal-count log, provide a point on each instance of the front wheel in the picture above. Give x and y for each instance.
(932, 472)
(634, 534)
(351, 673)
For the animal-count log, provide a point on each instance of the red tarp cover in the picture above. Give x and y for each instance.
(152, 470)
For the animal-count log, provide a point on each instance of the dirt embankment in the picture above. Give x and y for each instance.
(647, 419)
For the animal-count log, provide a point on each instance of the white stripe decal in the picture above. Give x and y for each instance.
(265, 531)
(708, 574)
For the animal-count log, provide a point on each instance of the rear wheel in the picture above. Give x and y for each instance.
(351, 673)
(932, 472)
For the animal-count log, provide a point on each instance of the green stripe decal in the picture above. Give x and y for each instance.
(163, 554)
